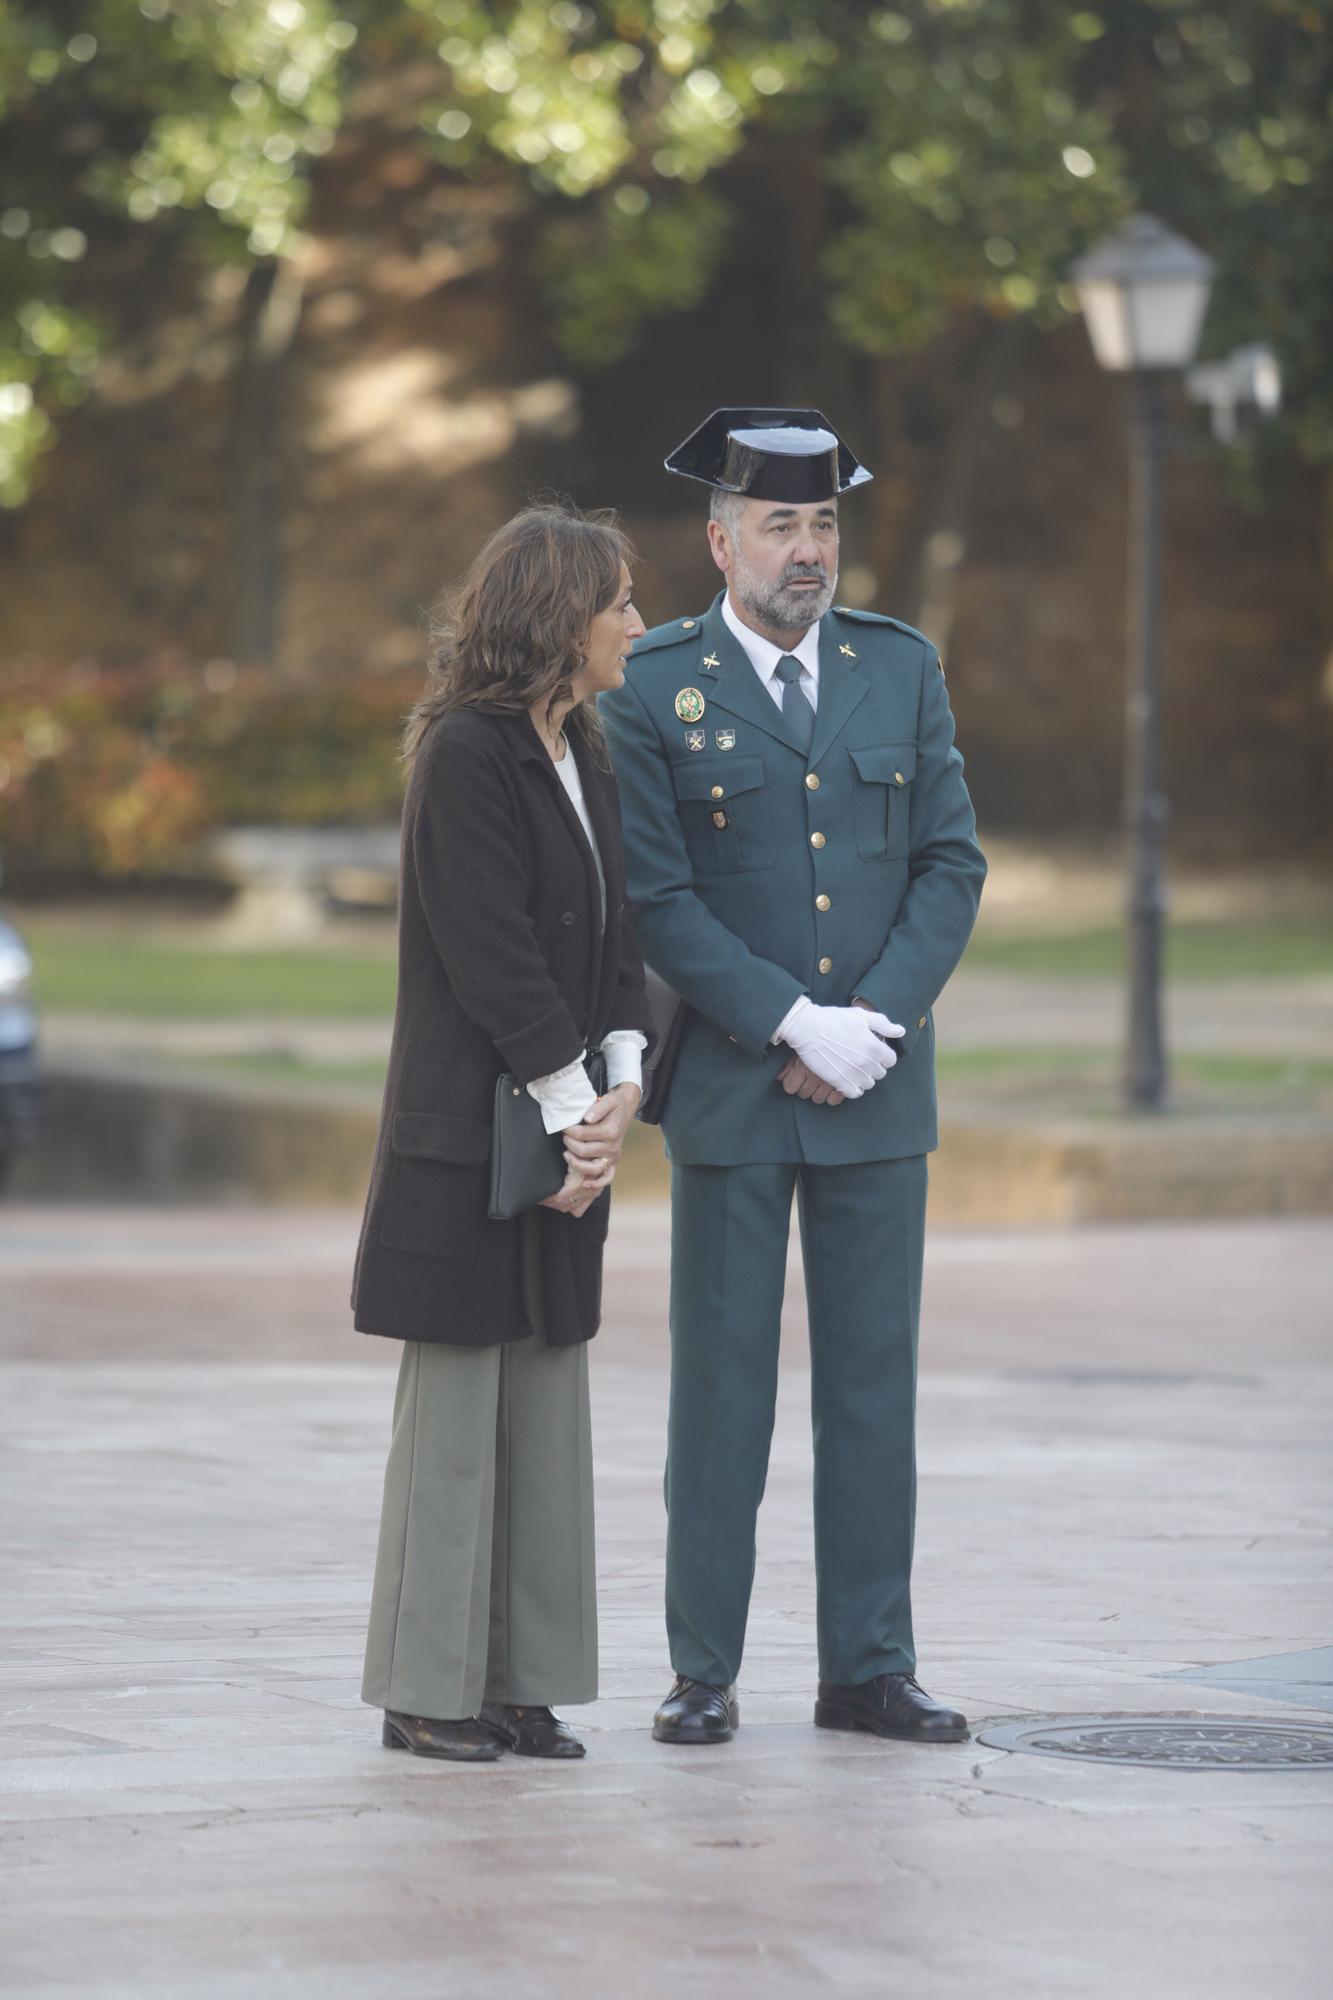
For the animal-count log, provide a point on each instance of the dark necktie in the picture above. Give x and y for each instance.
(796, 709)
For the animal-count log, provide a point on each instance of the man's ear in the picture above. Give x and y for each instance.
(719, 542)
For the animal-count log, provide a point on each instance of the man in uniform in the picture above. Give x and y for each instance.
(803, 863)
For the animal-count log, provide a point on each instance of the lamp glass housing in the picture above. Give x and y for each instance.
(1137, 325)
(1144, 293)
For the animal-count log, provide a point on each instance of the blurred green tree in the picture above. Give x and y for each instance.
(197, 120)
(954, 154)
(1222, 116)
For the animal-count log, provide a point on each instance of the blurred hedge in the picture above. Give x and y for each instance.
(115, 772)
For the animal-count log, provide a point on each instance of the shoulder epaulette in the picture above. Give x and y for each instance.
(666, 635)
(878, 618)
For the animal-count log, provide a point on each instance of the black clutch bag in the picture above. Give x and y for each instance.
(527, 1161)
(668, 1011)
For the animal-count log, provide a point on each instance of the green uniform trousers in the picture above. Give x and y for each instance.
(862, 1236)
(485, 1579)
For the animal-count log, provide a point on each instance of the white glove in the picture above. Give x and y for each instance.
(844, 1046)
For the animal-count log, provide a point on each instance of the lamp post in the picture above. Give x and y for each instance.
(1144, 293)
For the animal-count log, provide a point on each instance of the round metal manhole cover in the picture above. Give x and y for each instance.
(1177, 1743)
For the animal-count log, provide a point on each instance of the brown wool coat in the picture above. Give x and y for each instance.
(502, 965)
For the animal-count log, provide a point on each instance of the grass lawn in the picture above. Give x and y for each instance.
(1209, 1065)
(1282, 948)
(1293, 1080)
(367, 1075)
(88, 970)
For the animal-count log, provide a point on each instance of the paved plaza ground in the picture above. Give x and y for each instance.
(1125, 1453)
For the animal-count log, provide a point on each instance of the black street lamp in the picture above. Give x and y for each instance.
(1144, 294)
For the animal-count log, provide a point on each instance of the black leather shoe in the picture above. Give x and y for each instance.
(697, 1712)
(890, 1705)
(532, 1732)
(466, 1742)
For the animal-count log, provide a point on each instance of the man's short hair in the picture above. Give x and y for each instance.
(726, 508)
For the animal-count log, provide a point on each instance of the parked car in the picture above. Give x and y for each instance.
(19, 1083)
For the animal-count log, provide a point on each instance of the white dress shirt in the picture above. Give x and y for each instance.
(566, 1096)
(763, 656)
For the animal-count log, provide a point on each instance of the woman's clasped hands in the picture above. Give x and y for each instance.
(592, 1150)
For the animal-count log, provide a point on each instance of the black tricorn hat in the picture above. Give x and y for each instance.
(792, 455)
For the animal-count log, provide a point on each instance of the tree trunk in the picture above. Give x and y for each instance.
(270, 314)
(942, 522)
(801, 222)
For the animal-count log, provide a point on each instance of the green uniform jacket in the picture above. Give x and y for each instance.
(758, 874)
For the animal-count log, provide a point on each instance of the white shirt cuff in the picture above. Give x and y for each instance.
(623, 1049)
(565, 1096)
(797, 1007)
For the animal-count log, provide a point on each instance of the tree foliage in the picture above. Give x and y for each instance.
(147, 114)
(1224, 115)
(965, 150)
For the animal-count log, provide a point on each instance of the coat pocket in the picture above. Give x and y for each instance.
(435, 1200)
(724, 810)
(881, 796)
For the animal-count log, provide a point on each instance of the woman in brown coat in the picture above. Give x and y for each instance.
(516, 953)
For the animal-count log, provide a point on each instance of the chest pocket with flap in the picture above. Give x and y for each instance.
(729, 789)
(881, 799)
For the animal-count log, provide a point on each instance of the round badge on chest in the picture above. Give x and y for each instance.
(689, 704)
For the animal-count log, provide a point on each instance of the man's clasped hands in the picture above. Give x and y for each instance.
(838, 1052)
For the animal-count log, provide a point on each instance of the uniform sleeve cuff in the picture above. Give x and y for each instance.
(798, 1007)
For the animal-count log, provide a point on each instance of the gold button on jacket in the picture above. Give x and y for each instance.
(823, 903)
(816, 840)
(811, 782)
(718, 791)
(826, 965)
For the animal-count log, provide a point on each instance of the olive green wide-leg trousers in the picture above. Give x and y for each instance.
(485, 1576)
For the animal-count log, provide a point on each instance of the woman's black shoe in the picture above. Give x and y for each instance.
(697, 1712)
(890, 1705)
(531, 1732)
(466, 1742)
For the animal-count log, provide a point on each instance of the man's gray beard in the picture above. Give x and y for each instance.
(784, 609)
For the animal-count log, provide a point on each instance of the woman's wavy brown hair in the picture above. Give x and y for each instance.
(512, 632)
